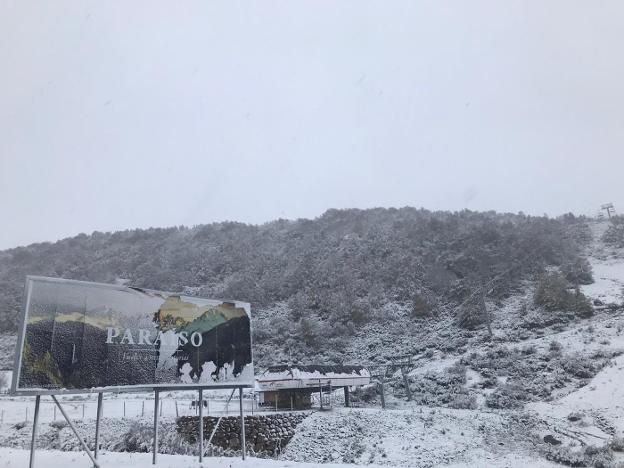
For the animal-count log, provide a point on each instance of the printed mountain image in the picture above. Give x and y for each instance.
(82, 336)
(225, 337)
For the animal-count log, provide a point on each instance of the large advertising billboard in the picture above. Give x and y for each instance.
(77, 336)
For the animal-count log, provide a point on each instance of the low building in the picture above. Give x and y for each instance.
(291, 386)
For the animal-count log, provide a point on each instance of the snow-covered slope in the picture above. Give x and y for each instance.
(594, 413)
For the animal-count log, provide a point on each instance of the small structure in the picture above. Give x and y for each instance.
(291, 386)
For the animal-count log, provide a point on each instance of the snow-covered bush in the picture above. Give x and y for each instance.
(60, 424)
(578, 271)
(140, 436)
(463, 401)
(581, 367)
(554, 295)
(508, 396)
(617, 444)
(614, 235)
(536, 374)
(442, 388)
(597, 457)
(555, 346)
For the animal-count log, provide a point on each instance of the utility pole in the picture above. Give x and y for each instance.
(608, 207)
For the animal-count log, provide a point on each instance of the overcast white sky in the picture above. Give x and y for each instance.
(124, 114)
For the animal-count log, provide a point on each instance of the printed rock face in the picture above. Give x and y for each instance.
(81, 335)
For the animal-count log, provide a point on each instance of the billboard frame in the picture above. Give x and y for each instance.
(19, 347)
(156, 389)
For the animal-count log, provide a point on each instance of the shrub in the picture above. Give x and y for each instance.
(598, 457)
(60, 424)
(138, 438)
(420, 307)
(463, 401)
(617, 444)
(553, 295)
(583, 368)
(507, 396)
(564, 455)
(555, 346)
(438, 388)
(614, 235)
(578, 271)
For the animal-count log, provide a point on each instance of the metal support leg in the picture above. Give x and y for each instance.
(73, 428)
(242, 421)
(97, 426)
(155, 447)
(201, 425)
(34, 432)
(346, 396)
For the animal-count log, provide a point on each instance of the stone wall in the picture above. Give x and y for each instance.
(268, 433)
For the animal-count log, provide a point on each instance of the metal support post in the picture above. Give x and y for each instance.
(201, 425)
(34, 432)
(155, 447)
(98, 417)
(75, 431)
(242, 422)
(346, 396)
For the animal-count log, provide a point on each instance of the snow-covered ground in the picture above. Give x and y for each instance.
(595, 412)
(419, 436)
(408, 434)
(13, 458)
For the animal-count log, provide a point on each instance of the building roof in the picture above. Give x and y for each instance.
(310, 372)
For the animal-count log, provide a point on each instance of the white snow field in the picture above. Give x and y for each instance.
(12, 458)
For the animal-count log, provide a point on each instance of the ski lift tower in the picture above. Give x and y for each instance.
(608, 207)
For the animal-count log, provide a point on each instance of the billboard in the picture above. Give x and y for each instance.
(77, 336)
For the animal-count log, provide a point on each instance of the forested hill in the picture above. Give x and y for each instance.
(329, 275)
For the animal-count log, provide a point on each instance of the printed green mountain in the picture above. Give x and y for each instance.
(176, 314)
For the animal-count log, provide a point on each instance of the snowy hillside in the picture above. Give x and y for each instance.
(349, 287)
(537, 384)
